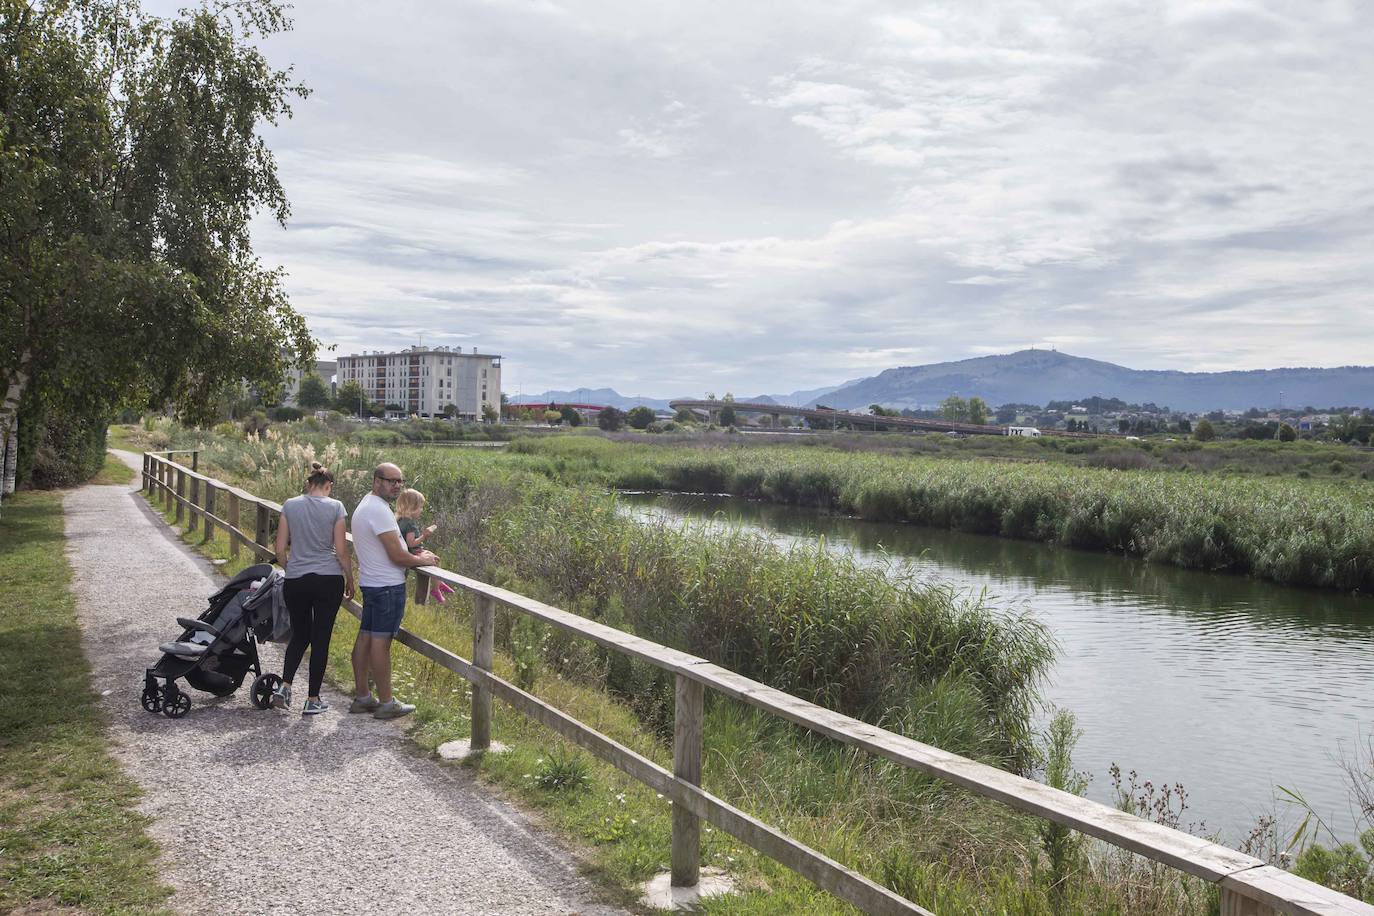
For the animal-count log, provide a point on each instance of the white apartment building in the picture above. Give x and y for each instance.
(425, 381)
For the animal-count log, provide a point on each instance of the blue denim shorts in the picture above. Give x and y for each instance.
(383, 608)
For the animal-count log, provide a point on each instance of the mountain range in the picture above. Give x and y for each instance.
(1040, 376)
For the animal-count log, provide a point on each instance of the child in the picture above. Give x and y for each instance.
(409, 505)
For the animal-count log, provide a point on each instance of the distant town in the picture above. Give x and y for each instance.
(427, 383)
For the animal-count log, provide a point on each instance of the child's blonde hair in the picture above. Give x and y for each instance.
(410, 503)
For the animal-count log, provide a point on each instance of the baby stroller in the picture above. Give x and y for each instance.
(216, 651)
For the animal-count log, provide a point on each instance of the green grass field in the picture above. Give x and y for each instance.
(69, 834)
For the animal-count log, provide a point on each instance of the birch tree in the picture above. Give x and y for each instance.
(130, 166)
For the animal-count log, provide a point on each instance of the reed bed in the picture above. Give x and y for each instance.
(1287, 530)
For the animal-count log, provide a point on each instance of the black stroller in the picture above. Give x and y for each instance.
(216, 651)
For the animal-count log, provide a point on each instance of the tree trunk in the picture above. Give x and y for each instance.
(9, 421)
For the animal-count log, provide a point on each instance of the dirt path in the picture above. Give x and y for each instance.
(270, 812)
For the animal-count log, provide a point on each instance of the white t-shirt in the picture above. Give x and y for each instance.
(372, 518)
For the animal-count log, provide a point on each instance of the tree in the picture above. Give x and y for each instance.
(553, 417)
(640, 417)
(1287, 433)
(977, 410)
(610, 419)
(312, 394)
(351, 399)
(489, 413)
(130, 169)
(1123, 425)
(954, 408)
(727, 413)
(570, 415)
(684, 415)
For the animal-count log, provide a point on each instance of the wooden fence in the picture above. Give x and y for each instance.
(1249, 886)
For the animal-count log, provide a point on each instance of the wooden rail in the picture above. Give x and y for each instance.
(1248, 886)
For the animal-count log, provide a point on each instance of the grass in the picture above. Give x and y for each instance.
(791, 616)
(69, 833)
(114, 473)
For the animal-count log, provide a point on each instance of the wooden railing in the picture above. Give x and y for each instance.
(1248, 886)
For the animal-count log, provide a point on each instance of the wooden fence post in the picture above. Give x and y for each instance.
(147, 484)
(483, 644)
(181, 492)
(687, 728)
(1233, 904)
(233, 519)
(195, 460)
(208, 526)
(195, 502)
(264, 529)
(167, 485)
(422, 583)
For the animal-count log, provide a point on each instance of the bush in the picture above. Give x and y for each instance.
(610, 419)
(285, 414)
(66, 449)
(255, 424)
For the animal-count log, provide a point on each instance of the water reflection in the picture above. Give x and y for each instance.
(1228, 685)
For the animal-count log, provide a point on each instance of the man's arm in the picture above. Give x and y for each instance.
(397, 553)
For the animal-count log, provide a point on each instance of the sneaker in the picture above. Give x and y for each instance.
(368, 703)
(393, 710)
(314, 707)
(281, 697)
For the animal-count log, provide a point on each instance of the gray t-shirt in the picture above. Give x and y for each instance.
(310, 526)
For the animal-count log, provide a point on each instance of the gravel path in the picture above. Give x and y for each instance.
(270, 812)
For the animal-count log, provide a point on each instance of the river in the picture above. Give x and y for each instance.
(1227, 685)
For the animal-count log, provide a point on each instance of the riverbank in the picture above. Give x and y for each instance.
(1284, 529)
(70, 831)
(931, 842)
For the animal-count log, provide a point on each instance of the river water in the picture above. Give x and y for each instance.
(1227, 685)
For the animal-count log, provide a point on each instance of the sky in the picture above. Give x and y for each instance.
(760, 197)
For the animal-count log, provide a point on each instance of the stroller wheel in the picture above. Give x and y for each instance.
(152, 699)
(263, 685)
(178, 707)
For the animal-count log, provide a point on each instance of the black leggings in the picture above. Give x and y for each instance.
(313, 601)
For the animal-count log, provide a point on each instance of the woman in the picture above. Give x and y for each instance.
(311, 547)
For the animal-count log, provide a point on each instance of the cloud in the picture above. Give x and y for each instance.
(774, 197)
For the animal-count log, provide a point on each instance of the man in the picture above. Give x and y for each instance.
(382, 564)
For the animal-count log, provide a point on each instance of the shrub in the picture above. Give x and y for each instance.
(255, 424)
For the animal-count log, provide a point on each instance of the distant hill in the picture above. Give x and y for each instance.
(799, 398)
(1040, 376)
(611, 398)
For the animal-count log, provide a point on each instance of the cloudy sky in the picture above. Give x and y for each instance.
(760, 197)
